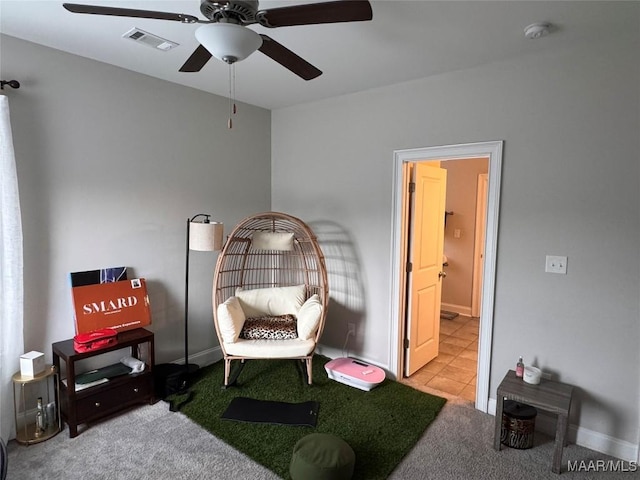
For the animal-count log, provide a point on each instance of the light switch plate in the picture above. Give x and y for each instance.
(556, 264)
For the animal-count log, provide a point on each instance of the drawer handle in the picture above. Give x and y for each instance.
(97, 404)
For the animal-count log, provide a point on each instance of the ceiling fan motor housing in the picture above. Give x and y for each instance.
(236, 11)
(228, 42)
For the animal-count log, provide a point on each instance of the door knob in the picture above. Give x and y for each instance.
(442, 274)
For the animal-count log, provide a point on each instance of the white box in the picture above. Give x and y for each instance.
(31, 364)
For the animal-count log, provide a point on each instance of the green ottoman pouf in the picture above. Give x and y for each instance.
(321, 456)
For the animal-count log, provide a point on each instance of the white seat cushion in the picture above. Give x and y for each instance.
(270, 348)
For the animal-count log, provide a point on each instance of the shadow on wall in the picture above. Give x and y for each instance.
(167, 322)
(346, 290)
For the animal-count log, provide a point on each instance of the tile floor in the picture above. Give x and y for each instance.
(453, 372)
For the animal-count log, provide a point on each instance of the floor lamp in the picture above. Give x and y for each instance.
(204, 236)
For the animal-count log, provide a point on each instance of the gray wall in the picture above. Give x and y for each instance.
(111, 163)
(462, 194)
(570, 186)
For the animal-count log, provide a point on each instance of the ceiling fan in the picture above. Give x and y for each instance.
(224, 34)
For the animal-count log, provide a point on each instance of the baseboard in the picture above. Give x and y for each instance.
(204, 358)
(332, 353)
(584, 437)
(329, 352)
(459, 309)
(212, 355)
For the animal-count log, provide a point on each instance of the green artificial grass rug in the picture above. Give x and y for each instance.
(381, 425)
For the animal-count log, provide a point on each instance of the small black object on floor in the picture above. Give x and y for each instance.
(171, 379)
(447, 315)
(245, 409)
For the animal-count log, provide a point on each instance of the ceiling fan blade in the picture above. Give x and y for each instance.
(288, 59)
(129, 12)
(197, 60)
(315, 13)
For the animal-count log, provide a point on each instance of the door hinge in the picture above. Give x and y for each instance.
(409, 267)
(412, 187)
(406, 343)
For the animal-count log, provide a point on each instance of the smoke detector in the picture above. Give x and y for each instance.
(150, 40)
(537, 30)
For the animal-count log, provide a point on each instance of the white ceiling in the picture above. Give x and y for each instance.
(405, 40)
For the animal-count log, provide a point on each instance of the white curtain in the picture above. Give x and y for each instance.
(11, 286)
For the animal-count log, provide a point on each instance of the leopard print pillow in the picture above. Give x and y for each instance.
(268, 327)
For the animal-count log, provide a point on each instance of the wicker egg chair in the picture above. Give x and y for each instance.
(246, 263)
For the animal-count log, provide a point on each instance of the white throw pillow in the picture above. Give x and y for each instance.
(282, 241)
(309, 317)
(230, 319)
(271, 301)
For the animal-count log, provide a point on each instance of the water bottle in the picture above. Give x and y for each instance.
(40, 422)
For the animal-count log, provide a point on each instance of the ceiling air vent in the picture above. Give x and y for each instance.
(150, 40)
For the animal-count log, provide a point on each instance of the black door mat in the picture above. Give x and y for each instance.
(243, 409)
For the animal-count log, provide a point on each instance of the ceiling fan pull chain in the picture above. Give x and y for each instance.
(234, 87)
(232, 93)
(230, 122)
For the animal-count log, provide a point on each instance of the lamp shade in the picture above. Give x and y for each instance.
(205, 237)
(228, 42)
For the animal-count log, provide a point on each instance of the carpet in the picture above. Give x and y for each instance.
(243, 409)
(149, 442)
(381, 425)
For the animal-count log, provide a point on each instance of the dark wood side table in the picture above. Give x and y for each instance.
(118, 393)
(550, 396)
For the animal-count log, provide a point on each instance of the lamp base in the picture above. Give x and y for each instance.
(191, 368)
(172, 378)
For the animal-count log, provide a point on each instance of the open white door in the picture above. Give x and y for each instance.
(426, 248)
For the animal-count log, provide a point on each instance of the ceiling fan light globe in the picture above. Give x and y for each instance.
(228, 42)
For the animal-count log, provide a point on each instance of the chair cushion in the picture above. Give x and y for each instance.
(290, 348)
(271, 301)
(309, 317)
(279, 327)
(231, 318)
(322, 456)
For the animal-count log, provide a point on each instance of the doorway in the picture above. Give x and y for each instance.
(493, 152)
(452, 370)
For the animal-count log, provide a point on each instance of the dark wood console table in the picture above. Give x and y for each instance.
(93, 403)
(550, 396)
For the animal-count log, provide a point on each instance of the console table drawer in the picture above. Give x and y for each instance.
(137, 390)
